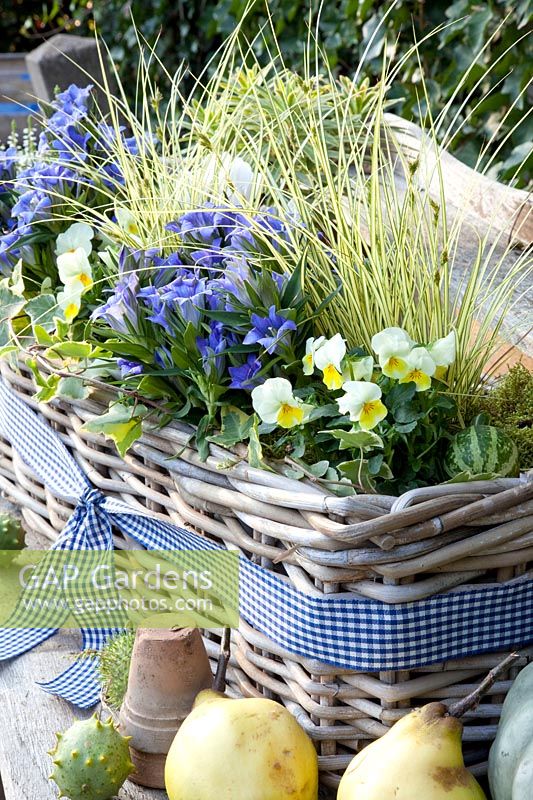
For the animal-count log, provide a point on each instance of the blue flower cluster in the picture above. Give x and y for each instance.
(215, 284)
(59, 171)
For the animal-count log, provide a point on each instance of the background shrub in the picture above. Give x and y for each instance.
(192, 29)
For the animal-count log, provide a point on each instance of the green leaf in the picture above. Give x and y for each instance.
(464, 477)
(399, 395)
(293, 287)
(357, 473)
(329, 410)
(359, 440)
(154, 388)
(48, 389)
(255, 451)
(10, 304)
(62, 327)
(202, 444)
(120, 424)
(41, 310)
(42, 336)
(235, 428)
(70, 350)
(8, 348)
(73, 388)
(125, 349)
(405, 427)
(189, 341)
(179, 357)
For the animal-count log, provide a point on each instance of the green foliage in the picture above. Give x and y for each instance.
(122, 424)
(114, 666)
(510, 406)
(352, 31)
(24, 23)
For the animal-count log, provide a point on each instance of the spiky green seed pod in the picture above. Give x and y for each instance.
(91, 760)
(11, 531)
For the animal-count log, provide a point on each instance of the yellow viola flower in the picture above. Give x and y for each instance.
(311, 346)
(328, 358)
(358, 369)
(127, 222)
(77, 235)
(443, 354)
(69, 301)
(392, 345)
(420, 369)
(363, 404)
(73, 266)
(274, 402)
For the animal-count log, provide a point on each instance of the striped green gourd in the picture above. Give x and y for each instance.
(482, 449)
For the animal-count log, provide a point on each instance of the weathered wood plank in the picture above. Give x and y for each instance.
(30, 717)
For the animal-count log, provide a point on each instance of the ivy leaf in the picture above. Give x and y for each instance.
(361, 472)
(70, 350)
(48, 389)
(122, 424)
(356, 440)
(10, 304)
(42, 336)
(41, 310)
(236, 428)
(73, 388)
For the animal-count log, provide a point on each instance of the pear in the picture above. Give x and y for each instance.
(420, 757)
(247, 749)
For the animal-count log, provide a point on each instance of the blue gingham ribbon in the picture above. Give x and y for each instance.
(348, 632)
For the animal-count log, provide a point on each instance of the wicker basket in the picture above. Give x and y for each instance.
(427, 542)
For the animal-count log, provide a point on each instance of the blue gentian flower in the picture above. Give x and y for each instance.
(31, 206)
(73, 99)
(271, 331)
(122, 307)
(9, 255)
(128, 368)
(212, 349)
(197, 226)
(209, 258)
(244, 376)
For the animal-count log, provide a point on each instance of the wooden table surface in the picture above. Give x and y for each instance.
(29, 718)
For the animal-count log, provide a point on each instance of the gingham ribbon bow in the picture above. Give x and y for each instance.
(343, 630)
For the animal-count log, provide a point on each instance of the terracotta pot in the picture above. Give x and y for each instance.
(168, 669)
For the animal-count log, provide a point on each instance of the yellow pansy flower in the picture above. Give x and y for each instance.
(363, 404)
(77, 235)
(311, 346)
(69, 301)
(392, 346)
(127, 222)
(328, 358)
(443, 354)
(420, 369)
(358, 369)
(274, 403)
(74, 266)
